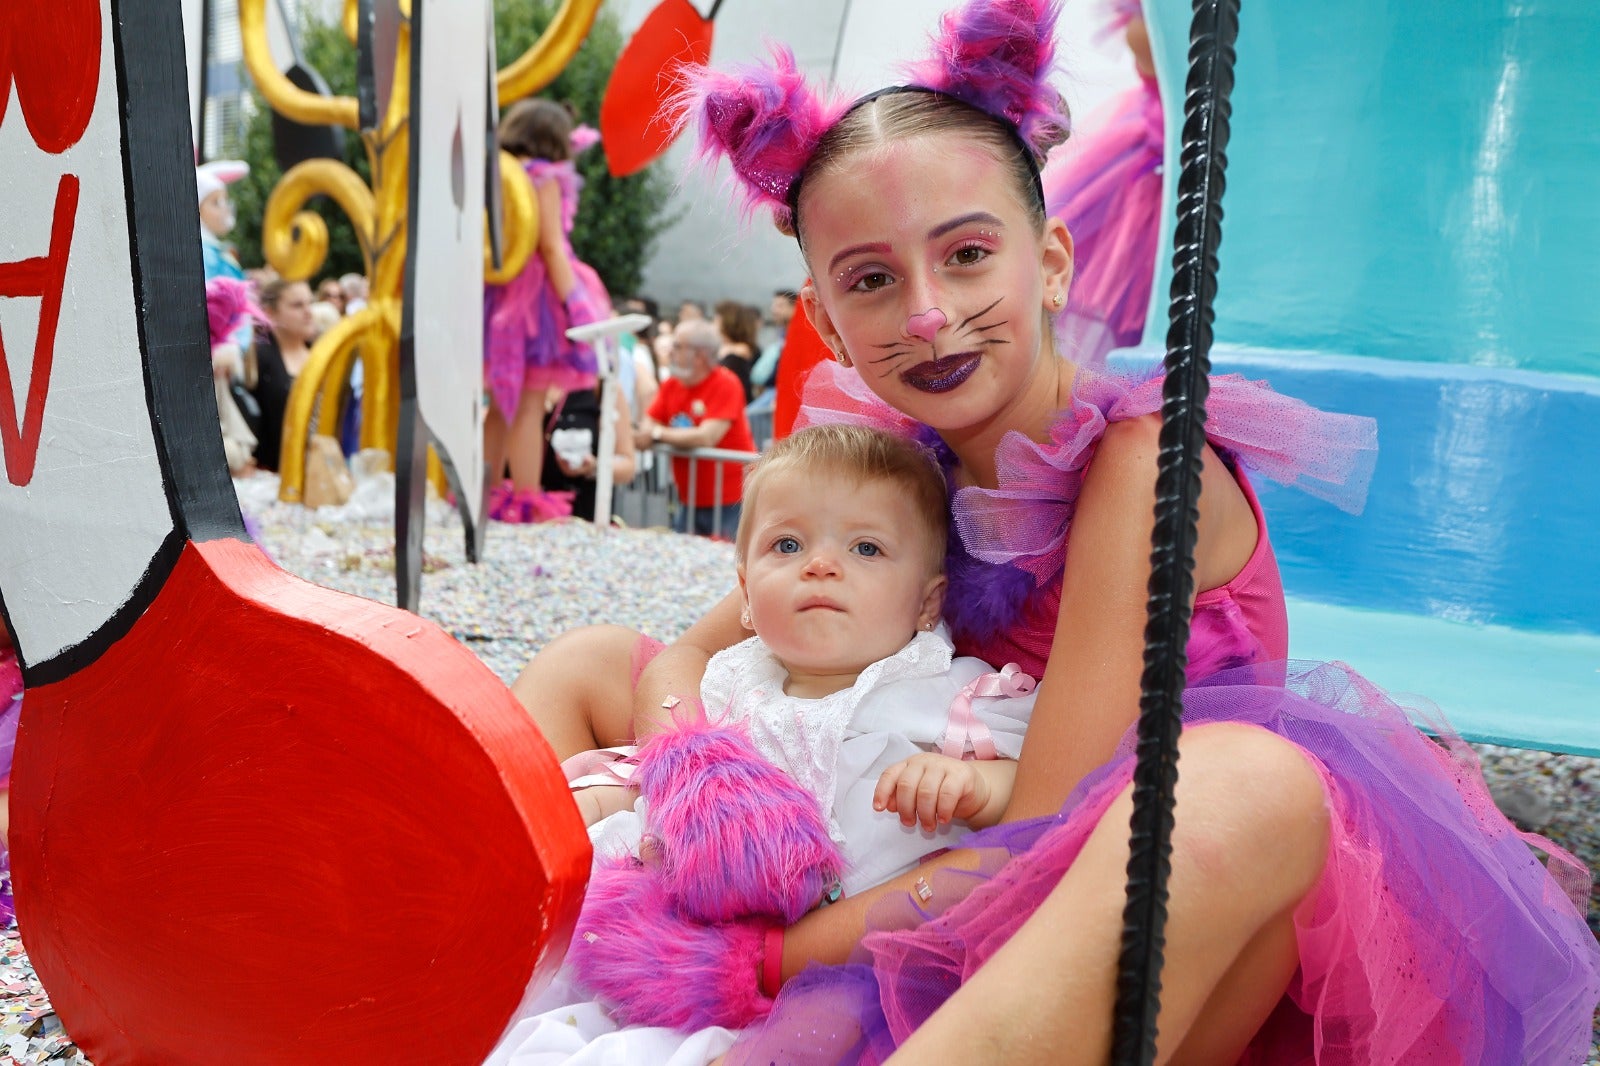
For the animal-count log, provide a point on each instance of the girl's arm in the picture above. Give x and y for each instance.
(551, 246)
(623, 464)
(678, 669)
(1090, 691)
(645, 382)
(1089, 695)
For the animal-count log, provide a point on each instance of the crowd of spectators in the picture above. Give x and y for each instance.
(688, 380)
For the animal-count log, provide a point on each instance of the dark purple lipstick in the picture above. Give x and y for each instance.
(943, 374)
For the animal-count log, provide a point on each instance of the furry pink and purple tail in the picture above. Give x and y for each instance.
(765, 119)
(737, 837)
(998, 55)
(650, 964)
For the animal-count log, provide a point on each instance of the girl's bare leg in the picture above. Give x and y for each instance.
(495, 432)
(526, 445)
(1250, 841)
(579, 689)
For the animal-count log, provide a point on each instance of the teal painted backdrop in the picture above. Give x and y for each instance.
(1410, 179)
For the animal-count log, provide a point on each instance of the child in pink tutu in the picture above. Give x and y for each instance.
(1342, 889)
(528, 360)
(1106, 186)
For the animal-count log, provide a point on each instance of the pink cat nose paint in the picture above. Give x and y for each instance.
(923, 326)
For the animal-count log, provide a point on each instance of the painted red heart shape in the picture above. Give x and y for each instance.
(52, 52)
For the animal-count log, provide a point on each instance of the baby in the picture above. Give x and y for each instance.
(846, 709)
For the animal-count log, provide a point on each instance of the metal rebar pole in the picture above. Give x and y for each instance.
(1199, 231)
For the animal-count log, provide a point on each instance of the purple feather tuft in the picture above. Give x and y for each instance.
(737, 837)
(998, 55)
(983, 598)
(651, 965)
(765, 119)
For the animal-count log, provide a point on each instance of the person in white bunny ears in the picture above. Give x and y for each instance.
(216, 215)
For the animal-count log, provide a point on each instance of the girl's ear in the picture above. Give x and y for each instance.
(819, 316)
(1056, 263)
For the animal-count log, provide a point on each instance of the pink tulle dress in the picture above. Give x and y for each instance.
(1105, 184)
(525, 343)
(1435, 935)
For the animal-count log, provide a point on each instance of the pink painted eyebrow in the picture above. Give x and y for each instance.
(878, 247)
(956, 223)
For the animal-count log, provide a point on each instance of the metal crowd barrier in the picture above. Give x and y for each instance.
(651, 498)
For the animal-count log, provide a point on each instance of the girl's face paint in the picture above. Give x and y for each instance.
(926, 326)
(929, 270)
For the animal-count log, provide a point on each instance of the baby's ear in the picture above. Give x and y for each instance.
(933, 601)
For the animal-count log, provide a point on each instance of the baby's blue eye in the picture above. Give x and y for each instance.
(868, 549)
(786, 546)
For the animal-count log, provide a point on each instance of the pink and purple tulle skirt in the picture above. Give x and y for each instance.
(1437, 934)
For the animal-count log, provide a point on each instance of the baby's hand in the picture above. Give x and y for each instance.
(932, 790)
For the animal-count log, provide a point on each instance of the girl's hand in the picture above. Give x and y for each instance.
(931, 790)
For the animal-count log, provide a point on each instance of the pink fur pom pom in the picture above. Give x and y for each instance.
(737, 837)
(998, 55)
(638, 954)
(765, 119)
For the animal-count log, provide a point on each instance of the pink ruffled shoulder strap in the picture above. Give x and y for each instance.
(567, 180)
(1323, 453)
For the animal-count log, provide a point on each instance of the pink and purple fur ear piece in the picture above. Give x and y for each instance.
(736, 837)
(765, 119)
(998, 55)
(995, 55)
(635, 951)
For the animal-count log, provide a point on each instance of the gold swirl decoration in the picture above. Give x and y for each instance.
(295, 240)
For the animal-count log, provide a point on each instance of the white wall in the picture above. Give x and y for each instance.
(708, 255)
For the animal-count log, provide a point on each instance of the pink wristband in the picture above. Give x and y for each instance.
(772, 963)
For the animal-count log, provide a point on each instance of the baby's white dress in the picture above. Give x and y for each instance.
(836, 747)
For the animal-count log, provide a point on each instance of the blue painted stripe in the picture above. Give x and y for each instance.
(1485, 503)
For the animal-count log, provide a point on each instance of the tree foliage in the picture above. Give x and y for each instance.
(618, 218)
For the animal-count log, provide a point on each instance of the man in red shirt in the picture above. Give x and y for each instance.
(701, 406)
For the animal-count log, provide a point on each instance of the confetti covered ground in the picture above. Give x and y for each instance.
(536, 581)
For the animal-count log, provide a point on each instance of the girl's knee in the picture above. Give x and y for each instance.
(582, 674)
(1253, 802)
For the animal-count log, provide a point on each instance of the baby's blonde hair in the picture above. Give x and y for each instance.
(862, 455)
